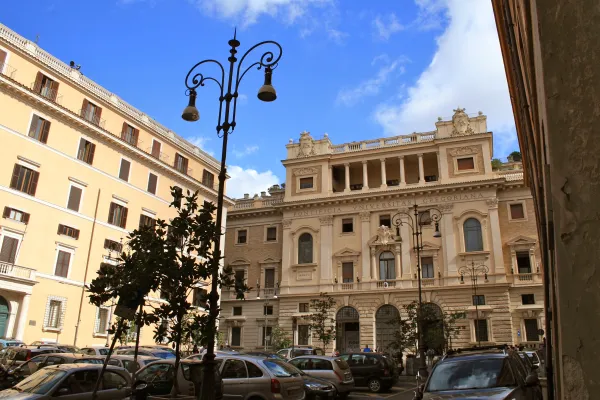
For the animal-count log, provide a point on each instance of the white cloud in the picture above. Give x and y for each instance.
(242, 99)
(248, 181)
(386, 27)
(201, 141)
(466, 71)
(336, 35)
(247, 151)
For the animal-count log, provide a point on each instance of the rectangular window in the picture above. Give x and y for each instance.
(242, 236)
(385, 220)
(465, 164)
(54, 312)
(271, 234)
(527, 299)
(236, 336)
(208, 179)
(39, 129)
(152, 182)
(303, 307)
(124, 170)
(306, 183)
(427, 267)
(111, 245)
(303, 335)
(523, 262)
(266, 336)
(2, 60)
(531, 330)
(237, 311)
(425, 218)
(68, 231)
(516, 211)
(91, 112)
(156, 148)
(347, 225)
(267, 310)
(269, 278)
(479, 300)
(86, 151)
(63, 260)
(181, 163)
(102, 321)
(8, 251)
(130, 134)
(14, 214)
(200, 297)
(481, 330)
(146, 221)
(117, 215)
(45, 86)
(239, 278)
(347, 272)
(74, 198)
(24, 179)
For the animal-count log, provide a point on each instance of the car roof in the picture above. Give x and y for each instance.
(473, 356)
(330, 358)
(247, 357)
(130, 357)
(84, 366)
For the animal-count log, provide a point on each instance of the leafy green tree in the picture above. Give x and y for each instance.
(280, 339)
(516, 156)
(496, 164)
(322, 324)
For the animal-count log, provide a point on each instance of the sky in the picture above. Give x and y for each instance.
(353, 69)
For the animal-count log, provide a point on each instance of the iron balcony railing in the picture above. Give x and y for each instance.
(46, 92)
(90, 116)
(16, 271)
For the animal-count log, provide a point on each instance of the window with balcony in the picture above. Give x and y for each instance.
(156, 145)
(347, 272)
(181, 163)
(124, 169)
(481, 330)
(347, 225)
(237, 311)
(306, 183)
(117, 215)
(236, 337)
(54, 313)
(385, 220)
(267, 310)
(478, 300)
(239, 278)
(427, 268)
(8, 251)
(145, 220)
(112, 245)
(45, 86)
(271, 234)
(305, 249)
(74, 201)
(208, 179)
(531, 330)
(303, 335)
(91, 112)
(473, 236)
(39, 129)
(465, 164)
(152, 183)
(270, 278)
(517, 211)
(24, 179)
(68, 231)
(63, 263)
(387, 266)
(242, 236)
(86, 151)
(102, 320)
(523, 262)
(303, 307)
(16, 215)
(527, 299)
(130, 134)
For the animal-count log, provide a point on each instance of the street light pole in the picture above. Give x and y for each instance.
(416, 222)
(225, 125)
(474, 270)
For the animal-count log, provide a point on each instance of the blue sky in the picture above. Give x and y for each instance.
(353, 69)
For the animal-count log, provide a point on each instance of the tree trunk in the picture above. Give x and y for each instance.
(110, 350)
(138, 328)
(178, 334)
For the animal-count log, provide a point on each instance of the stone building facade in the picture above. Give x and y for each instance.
(334, 222)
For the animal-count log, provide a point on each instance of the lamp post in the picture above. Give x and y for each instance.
(473, 271)
(416, 222)
(225, 125)
(265, 305)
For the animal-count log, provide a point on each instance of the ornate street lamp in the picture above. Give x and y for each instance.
(473, 271)
(416, 222)
(225, 125)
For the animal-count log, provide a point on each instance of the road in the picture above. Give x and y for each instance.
(403, 390)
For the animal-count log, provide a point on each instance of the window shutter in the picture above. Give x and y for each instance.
(74, 198)
(156, 149)
(33, 126)
(152, 183)
(33, 184)
(98, 114)
(111, 212)
(25, 218)
(2, 59)
(124, 171)
(90, 159)
(15, 177)
(84, 108)
(136, 135)
(123, 217)
(37, 86)
(54, 87)
(185, 165)
(124, 130)
(6, 212)
(8, 252)
(45, 131)
(62, 264)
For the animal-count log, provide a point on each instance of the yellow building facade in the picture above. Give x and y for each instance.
(80, 169)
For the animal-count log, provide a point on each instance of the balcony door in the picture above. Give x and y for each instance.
(8, 250)
(4, 313)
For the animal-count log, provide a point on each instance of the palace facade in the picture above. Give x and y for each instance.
(333, 228)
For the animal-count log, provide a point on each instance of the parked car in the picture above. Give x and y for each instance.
(534, 357)
(149, 352)
(298, 351)
(332, 369)
(218, 353)
(10, 343)
(249, 377)
(16, 356)
(481, 373)
(158, 378)
(95, 350)
(67, 348)
(317, 388)
(75, 381)
(126, 362)
(265, 354)
(160, 348)
(375, 371)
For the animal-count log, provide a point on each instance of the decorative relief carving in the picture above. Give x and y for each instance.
(460, 122)
(307, 145)
(326, 220)
(384, 235)
(287, 223)
(365, 216)
(463, 151)
(446, 208)
(492, 203)
(306, 171)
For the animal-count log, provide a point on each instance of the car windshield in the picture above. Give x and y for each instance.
(471, 374)
(165, 355)
(40, 382)
(281, 369)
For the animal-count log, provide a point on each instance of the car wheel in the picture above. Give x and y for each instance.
(374, 385)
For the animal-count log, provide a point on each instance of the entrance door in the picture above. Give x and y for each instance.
(4, 312)
(348, 330)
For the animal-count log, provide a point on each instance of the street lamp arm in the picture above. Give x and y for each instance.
(268, 59)
(397, 220)
(434, 214)
(198, 78)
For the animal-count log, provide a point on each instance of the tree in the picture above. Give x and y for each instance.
(496, 164)
(322, 324)
(405, 329)
(516, 156)
(280, 339)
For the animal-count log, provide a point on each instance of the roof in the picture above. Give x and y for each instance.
(84, 366)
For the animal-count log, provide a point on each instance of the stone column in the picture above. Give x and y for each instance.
(498, 257)
(398, 260)
(23, 317)
(421, 169)
(402, 177)
(383, 174)
(325, 246)
(406, 236)
(439, 166)
(287, 254)
(374, 272)
(330, 183)
(365, 232)
(443, 161)
(448, 240)
(347, 177)
(365, 176)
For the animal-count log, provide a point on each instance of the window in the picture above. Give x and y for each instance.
(523, 262)
(479, 300)
(2, 60)
(303, 307)
(271, 234)
(53, 314)
(156, 148)
(86, 151)
(68, 231)
(347, 225)
(39, 129)
(427, 267)
(74, 198)
(112, 380)
(306, 183)
(253, 370)
(124, 169)
(117, 215)
(234, 369)
(146, 221)
(473, 237)
(91, 112)
(101, 321)
(465, 164)
(8, 251)
(152, 182)
(240, 278)
(385, 220)
(269, 278)
(527, 299)
(516, 211)
(45, 86)
(237, 311)
(267, 310)
(425, 218)
(208, 179)
(305, 249)
(19, 216)
(236, 340)
(112, 245)
(63, 261)
(24, 179)
(181, 163)
(266, 336)
(130, 134)
(387, 266)
(481, 330)
(200, 297)
(531, 330)
(242, 236)
(303, 335)
(347, 272)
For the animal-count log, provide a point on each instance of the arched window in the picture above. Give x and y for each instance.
(387, 266)
(473, 237)
(305, 249)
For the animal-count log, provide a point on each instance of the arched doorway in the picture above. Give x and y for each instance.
(4, 313)
(385, 317)
(347, 330)
(433, 328)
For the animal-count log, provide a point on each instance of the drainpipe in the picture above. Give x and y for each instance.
(87, 264)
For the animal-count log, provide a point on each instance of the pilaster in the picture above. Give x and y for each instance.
(287, 254)
(23, 317)
(325, 266)
(365, 231)
(448, 240)
(498, 257)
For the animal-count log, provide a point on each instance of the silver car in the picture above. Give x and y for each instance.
(126, 362)
(332, 369)
(246, 377)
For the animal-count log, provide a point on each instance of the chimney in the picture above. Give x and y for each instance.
(263, 194)
(246, 196)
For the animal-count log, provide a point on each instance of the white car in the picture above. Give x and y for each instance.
(95, 350)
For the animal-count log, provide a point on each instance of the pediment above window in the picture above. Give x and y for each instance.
(346, 252)
(521, 241)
